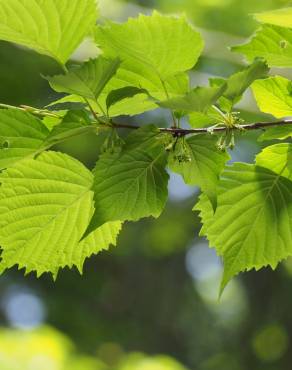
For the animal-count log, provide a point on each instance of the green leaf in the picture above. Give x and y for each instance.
(205, 163)
(73, 124)
(277, 158)
(140, 77)
(164, 45)
(279, 17)
(87, 80)
(175, 85)
(274, 96)
(51, 27)
(273, 43)
(252, 225)
(131, 184)
(45, 206)
(127, 92)
(280, 133)
(239, 82)
(206, 213)
(197, 100)
(210, 117)
(21, 135)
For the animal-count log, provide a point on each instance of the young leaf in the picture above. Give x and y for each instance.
(51, 27)
(165, 45)
(45, 206)
(21, 135)
(127, 92)
(87, 80)
(211, 117)
(197, 100)
(239, 82)
(274, 96)
(74, 123)
(273, 43)
(252, 225)
(131, 184)
(279, 17)
(204, 166)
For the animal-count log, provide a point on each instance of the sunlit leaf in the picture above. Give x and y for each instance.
(274, 95)
(273, 43)
(50, 27)
(252, 225)
(45, 206)
(21, 136)
(279, 17)
(165, 45)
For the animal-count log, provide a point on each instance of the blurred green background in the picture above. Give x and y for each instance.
(150, 303)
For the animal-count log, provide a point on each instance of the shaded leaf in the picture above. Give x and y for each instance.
(131, 184)
(197, 100)
(205, 163)
(73, 124)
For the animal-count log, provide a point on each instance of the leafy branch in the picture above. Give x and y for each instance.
(54, 212)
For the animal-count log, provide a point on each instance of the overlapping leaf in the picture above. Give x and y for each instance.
(21, 135)
(211, 117)
(131, 184)
(204, 165)
(139, 103)
(50, 27)
(239, 82)
(73, 124)
(45, 206)
(197, 100)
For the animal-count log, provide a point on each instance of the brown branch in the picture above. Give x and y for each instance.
(207, 130)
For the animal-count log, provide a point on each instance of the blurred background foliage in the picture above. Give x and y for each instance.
(150, 303)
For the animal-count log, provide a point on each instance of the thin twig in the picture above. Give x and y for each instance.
(92, 110)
